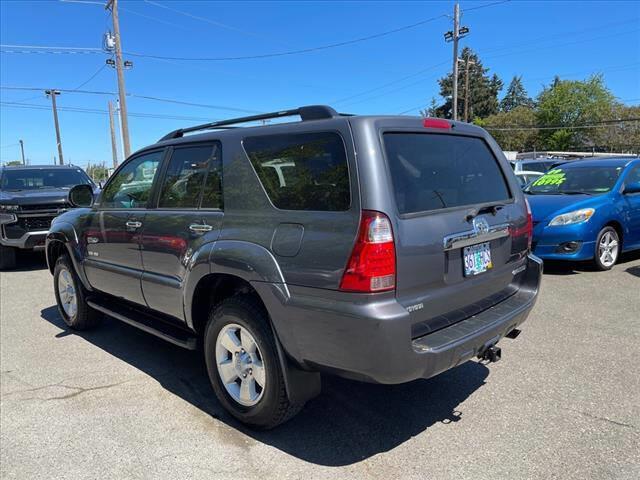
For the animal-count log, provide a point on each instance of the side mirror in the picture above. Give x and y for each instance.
(81, 196)
(632, 188)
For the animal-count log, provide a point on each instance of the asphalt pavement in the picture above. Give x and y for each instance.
(564, 401)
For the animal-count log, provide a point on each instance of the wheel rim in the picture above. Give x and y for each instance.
(240, 365)
(67, 293)
(608, 249)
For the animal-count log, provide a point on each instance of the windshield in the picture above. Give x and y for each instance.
(588, 180)
(39, 178)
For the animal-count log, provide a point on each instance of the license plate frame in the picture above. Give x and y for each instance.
(476, 259)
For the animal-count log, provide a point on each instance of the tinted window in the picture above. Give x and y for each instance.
(431, 172)
(40, 178)
(633, 175)
(184, 181)
(131, 185)
(212, 195)
(302, 172)
(569, 180)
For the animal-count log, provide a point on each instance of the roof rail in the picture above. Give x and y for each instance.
(310, 112)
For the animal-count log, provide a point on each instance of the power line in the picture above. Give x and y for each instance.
(29, 106)
(91, 77)
(146, 97)
(209, 21)
(594, 124)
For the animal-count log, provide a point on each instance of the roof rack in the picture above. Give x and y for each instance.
(310, 112)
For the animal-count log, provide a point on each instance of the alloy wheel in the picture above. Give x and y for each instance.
(240, 365)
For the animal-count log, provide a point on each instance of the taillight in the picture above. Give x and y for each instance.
(372, 265)
(529, 231)
(525, 231)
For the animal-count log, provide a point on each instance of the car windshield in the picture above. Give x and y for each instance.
(40, 178)
(567, 181)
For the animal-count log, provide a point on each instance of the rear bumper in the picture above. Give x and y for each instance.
(370, 340)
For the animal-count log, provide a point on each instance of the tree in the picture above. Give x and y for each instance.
(516, 96)
(13, 162)
(97, 172)
(483, 89)
(431, 110)
(513, 130)
(572, 103)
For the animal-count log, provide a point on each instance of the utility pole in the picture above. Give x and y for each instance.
(453, 36)
(114, 146)
(113, 4)
(22, 150)
(52, 94)
(466, 87)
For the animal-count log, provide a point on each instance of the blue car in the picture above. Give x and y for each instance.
(587, 210)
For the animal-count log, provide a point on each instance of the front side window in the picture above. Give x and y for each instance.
(432, 171)
(42, 178)
(306, 171)
(131, 185)
(572, 180)
(633, 176)
(184, 182)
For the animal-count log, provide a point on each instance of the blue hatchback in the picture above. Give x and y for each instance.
(587, 210)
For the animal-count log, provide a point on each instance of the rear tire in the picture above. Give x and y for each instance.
(7, 257)
(607, 249)
(239, 344)
(71, 297)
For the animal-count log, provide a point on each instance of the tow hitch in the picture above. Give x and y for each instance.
(492, 354)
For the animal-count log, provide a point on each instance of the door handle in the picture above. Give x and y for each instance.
(133, 224)
(198, 228)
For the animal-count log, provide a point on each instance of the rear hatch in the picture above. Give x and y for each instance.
(458, 229)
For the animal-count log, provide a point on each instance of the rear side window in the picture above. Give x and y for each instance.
(184, 182)
(432, 172)
(305, 171)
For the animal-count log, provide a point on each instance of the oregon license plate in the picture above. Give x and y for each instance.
(477, 259)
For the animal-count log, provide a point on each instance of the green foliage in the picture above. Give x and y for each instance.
(13, 163)
(98, 172)
(570, 103)
(523, 139)
(516, 96)
(483, 89)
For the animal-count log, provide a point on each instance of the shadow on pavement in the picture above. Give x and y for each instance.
(557, 267)
(27, 261)
(348, 422)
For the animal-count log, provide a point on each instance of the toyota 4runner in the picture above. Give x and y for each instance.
(378, 248)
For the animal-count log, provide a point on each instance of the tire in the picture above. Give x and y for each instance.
(82, 317)
(7, 257)
(607, 249)
(267, 405)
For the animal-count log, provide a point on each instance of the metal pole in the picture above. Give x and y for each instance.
(456, 21)
(114, 147)
(22, 150)
(120, 72)
(53, 94)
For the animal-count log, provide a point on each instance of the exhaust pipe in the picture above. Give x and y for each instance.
(513, 333)
(492, 354)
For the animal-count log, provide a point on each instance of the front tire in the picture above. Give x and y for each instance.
(71, 297)
(243, 365)
(607, 249)
(7, 257)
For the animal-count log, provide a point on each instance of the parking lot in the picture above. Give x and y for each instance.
(564, 402)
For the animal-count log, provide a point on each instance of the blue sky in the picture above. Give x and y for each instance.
(534, 39)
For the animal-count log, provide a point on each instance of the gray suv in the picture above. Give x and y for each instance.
(378, 248)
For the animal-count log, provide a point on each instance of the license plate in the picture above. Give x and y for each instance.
(477, 259)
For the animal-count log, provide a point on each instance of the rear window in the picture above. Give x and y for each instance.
(305, 171)
(432, 172)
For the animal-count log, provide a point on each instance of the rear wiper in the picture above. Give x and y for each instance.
(474, 212)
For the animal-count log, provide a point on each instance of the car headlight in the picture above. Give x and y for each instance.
(571, 218)
(9, 208)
